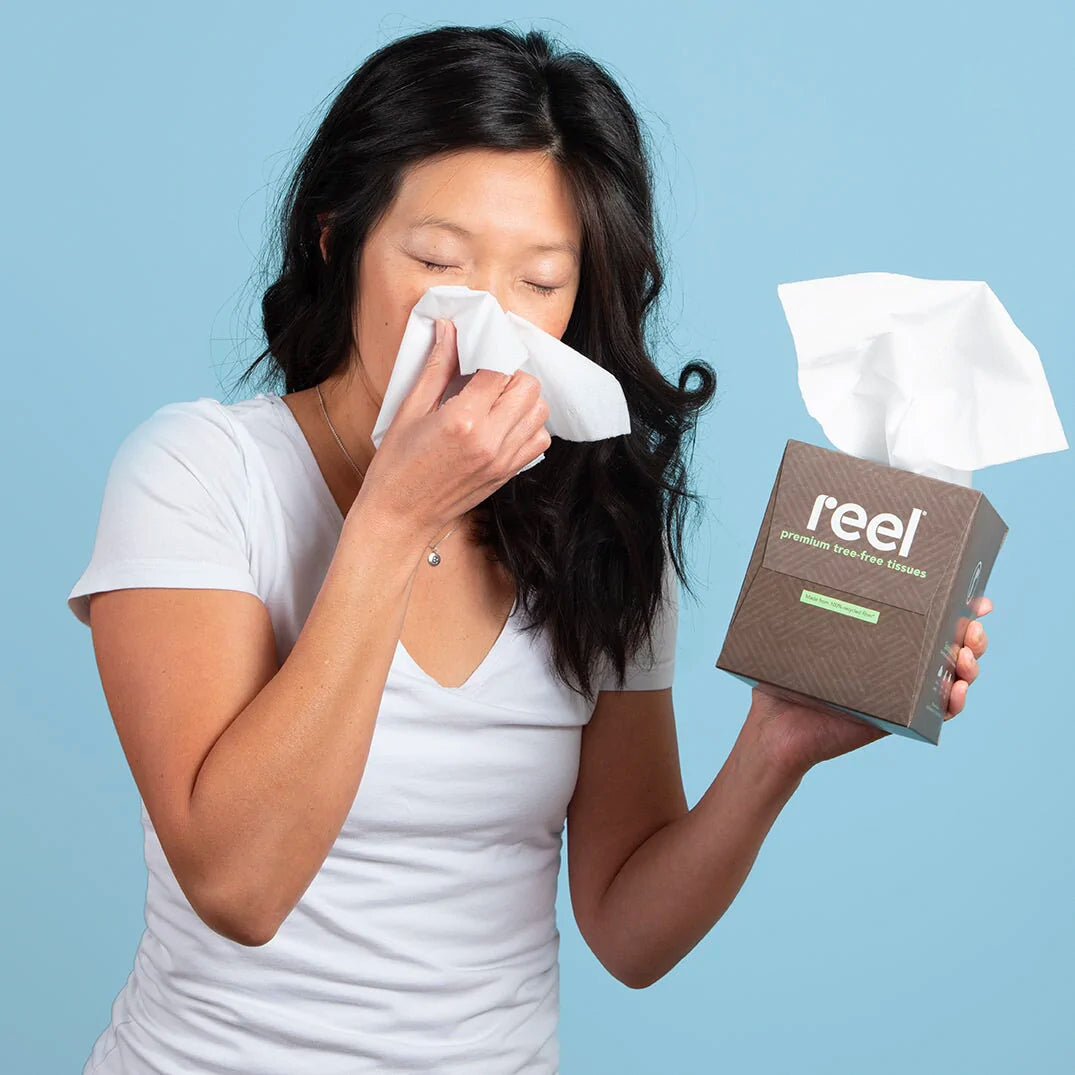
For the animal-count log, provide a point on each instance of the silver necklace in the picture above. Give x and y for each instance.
(434, 556)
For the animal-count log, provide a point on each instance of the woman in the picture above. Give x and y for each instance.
(360, 691)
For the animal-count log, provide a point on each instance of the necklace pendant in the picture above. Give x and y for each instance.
(434, 557)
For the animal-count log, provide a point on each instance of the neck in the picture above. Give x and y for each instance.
(352, 413)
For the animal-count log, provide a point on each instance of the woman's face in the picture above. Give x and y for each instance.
(501, 221)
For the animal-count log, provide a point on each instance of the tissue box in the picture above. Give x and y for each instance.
(860, 589)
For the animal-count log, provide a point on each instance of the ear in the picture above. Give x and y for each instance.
(324, 233)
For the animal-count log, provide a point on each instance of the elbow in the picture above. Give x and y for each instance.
(631, 969)
(238, 919)
(242, 930)
(237, 926)
(634, 975)
(638, 980)
(230, 901)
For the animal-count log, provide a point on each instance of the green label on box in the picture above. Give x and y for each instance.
(834, 604)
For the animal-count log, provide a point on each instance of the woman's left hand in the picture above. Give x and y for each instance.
(799, 737)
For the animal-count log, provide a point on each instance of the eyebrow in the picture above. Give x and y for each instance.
(566, 247)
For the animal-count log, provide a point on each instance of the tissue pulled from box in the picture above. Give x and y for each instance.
(931, 376)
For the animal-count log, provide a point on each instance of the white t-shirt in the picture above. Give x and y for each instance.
(427, 942)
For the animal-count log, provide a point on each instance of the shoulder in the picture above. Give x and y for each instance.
(175, 507)
(186, 455)
(196, 437)
(190, 423)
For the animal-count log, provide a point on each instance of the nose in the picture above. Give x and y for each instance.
(496, 288)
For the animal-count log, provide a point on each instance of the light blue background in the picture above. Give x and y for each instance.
(911, 910)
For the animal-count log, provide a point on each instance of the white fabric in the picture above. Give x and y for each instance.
(427, 942)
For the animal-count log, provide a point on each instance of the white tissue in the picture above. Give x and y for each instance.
(928, 375)
(585, 401)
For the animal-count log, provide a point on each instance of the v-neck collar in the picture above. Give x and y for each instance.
(306, 455)
(324, 495)
(480, 674)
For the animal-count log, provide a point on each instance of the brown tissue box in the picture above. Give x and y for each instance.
(860, 589)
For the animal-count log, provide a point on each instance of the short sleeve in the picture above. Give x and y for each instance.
(652, 670)
(173, 512)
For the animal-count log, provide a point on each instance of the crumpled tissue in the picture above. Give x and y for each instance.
(586, 402)
(928, 375)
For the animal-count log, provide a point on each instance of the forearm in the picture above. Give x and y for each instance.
(275, 789)
(677, 885)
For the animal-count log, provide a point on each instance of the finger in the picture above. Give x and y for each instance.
(976, 638)
(981, 605)
(525, 412)
(957, 698)
(537, 444)
(486, 387)
(442, 365)
(966, 665)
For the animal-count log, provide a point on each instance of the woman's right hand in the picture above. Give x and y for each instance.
(436, 462)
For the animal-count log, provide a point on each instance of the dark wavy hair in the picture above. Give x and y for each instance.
(585, 534)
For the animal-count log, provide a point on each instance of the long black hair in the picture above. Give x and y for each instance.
(585, 533)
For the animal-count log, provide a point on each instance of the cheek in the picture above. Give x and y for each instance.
(555, 321)
(550, 314)
(385, 302)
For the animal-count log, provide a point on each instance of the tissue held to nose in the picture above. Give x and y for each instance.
(585, 401)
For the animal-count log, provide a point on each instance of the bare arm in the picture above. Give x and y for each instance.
(649, 878)
(273, 793)
(679, 883)
(248, 770)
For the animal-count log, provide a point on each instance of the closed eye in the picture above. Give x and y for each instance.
(434, 266)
